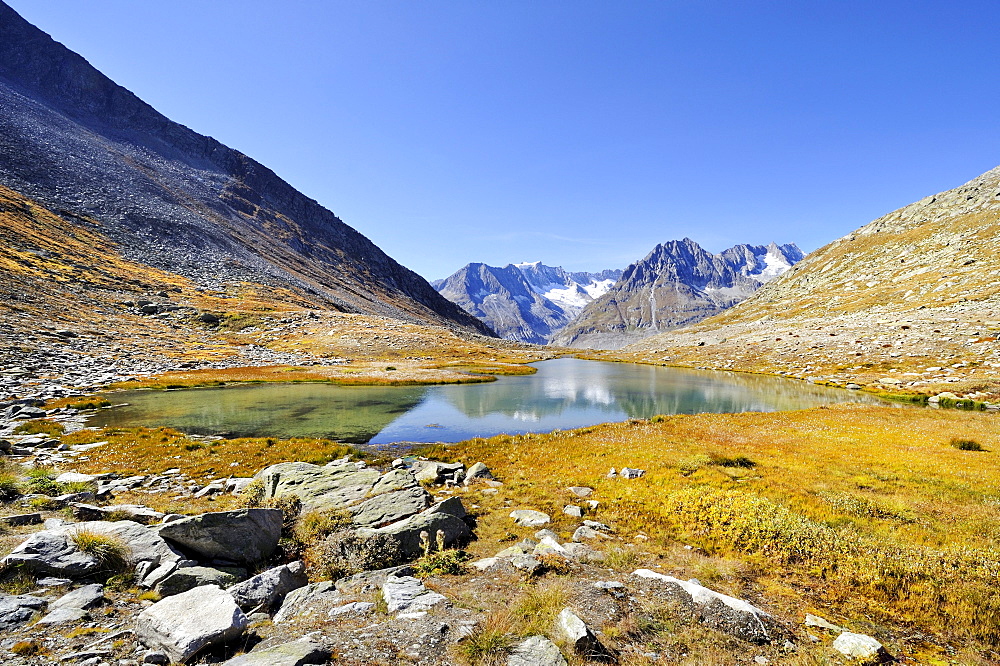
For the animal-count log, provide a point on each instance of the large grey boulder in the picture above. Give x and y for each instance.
(409, 595)
(719, 611)
(337, 485)
(390, 507)
(53, 552)
(245, 535)
(188, 578)
(298, 600)
(438, 472)
(530, 518)
(536, 651)
(183, 624)
(407, 532)
(134, 512)
(72, 606)
(268, 588)
(860, 647)
(574, 632)
(478, 472)
(16, 610)
(394, 479)
(297, 653)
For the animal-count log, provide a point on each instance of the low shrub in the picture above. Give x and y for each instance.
(442, 562)
(345, 553)
(42, 480)
(963, 444)
(313, 526)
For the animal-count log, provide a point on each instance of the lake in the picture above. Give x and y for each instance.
(565, 393)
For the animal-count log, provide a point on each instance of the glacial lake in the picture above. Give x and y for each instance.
(565, 393)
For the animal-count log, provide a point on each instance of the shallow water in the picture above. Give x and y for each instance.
(564, 393)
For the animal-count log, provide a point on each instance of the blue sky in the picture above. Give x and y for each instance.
(579, 133)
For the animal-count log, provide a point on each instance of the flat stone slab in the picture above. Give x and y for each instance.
(335, 486)
(388, 508)
(188, 578)
(183, 624)
(407, 531)
(408, 594)
(530, 518)
(296, 653)
(72, 606)
(536, 651)
(861, 647)
(16, 610)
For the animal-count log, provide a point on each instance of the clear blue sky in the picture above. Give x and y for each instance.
(579, 133)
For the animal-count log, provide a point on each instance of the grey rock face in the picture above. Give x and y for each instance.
(246, 535)
(335, 486)
(16, 610)
(409, 594)
(407, 532)
(183, 624)
(73, 605)
(536, 651)
(478, 472)
(575, 633)
(296, 600)
(384, 509)
(188, 578)
(268, 588)
(295, 653)
(864, 649)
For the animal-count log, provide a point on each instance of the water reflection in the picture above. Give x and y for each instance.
(564, 393)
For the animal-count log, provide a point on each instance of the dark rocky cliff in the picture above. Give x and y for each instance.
(171, 198)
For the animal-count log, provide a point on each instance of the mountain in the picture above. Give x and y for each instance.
(163, 196)
(529, 302)
(677, 284)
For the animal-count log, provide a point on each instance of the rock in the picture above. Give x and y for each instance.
(188, 578)
(352, 608)
(267, 589)
(72, 606)
(407, 531)
(573, 510)
(536, 651)
(526, 563)
(334, 486)
(541, 534)
(630, 473)
(438, 472)
(246, 535)
(134, 512)
(485, 564)
(156, 657)
(390, 507)
(16, 610)
(409, 594)
(395, 479)
(22, 519)
(584, 533)
(183, 624)
(860, 647)
(575, 633)
(75, 477)
(53, 552)
(296, 600)
(594, 525)
(719, 611)
(581, 491)
(816, 621)
(208, 318)
(530, 518)
(452, 506)
(478, 472)
(296, 653)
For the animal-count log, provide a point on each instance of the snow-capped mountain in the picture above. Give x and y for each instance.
(530, 301)
(677, 284)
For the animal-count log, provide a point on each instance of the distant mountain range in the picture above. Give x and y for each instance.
(163, 196)
(529, 302)
(677, 284)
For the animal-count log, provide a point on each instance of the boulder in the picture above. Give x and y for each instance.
(394, 479)
(337, 485)
(452, 506)
(719, 611)
(267, 589)
(478, 472)
(16, 610)
(584, 533)
(438, 472)
(581, 491)
(407, 531)
(409, 595)
(245, 535)
(188, 578)
(862, 648)
(530, 518)
(297, 600)
(573, 510)
(631, 473)
(75, 477)
(134, 512)
(526, 563)
(390, 507)
(352, 608)
(536, 651)
(575, 633)
(296, 653)
(72, 606)
(183, 624)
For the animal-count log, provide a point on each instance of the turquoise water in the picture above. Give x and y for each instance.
(565, 393)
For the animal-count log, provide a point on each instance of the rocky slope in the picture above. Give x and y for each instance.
(528, 302)
(909, 300)
(677, 284)
(165, 197)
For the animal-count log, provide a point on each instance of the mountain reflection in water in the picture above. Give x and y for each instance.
(564, 393)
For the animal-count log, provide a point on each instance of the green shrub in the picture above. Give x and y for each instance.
(10, 487)
(442, 562)
(963, 444)
(42, 481)
(345, 553)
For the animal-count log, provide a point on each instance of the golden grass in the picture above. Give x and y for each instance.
(131, 451)
(865, 510)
